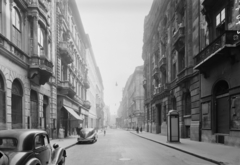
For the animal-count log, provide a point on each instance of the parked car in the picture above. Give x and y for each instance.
(87, 135)
(29, 147)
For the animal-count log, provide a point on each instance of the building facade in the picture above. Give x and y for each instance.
(27, 75)
(131, 109)
(191, 65)
(72, 71)
(95, 93)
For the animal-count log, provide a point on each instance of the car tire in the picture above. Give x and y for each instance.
(62, 161)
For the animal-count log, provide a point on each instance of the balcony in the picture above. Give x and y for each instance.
(65, 52)
(162, 64)
(179, 38)
(184, 75)
(145, 83)
(39, 4)
(87, 104)
(221, 48)
(160, 92)
(66, 88)
(86, 83)
(40, 69)
(155, 71)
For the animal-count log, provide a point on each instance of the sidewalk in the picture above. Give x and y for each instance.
(216, 153)
(65, 142)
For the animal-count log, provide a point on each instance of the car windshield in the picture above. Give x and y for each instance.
(8, 143)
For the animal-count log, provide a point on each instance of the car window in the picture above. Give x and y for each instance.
(10, 143)
(39, 141)
(46, 140)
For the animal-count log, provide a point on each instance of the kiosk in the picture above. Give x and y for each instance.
(173, 126)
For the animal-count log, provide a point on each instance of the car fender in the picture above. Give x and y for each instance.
(57, 155)
(34, 161)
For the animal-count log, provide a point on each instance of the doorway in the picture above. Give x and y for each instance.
(34, 109)
(222, 109)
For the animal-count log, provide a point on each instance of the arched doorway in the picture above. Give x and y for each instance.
(2, 104)
(17, 94)
(221, 93)
(34, 109)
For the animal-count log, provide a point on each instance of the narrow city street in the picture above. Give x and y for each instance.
(122, 147)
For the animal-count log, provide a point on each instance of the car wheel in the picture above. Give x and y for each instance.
(62, 161)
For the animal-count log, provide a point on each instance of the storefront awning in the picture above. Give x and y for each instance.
(72, 112)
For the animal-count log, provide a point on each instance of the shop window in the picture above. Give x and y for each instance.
(206, 115)
(235, 112)
(16, 31)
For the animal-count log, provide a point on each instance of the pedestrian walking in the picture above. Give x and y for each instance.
(137, 130)
(140, 129)
(104, 132)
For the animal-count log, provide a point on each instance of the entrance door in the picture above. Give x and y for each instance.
(222, 115)
(159, 111)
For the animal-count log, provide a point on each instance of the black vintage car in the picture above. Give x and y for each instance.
(29, 147)
(87, 135)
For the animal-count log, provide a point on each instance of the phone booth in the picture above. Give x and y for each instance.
(173, 126)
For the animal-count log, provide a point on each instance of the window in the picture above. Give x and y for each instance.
(174, 71)
(40, 41)
(39, 141)
(16, 32)
(220, 22)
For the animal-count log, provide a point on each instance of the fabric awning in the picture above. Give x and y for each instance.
(72, 112)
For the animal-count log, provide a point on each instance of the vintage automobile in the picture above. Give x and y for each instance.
(29, 147)
(87, 135)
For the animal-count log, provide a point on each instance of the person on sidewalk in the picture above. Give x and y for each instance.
(137, 129)
(104, 132)
(140, 129)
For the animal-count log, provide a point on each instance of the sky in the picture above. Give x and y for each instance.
(116, 31)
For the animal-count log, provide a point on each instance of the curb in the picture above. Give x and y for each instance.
(187, 152)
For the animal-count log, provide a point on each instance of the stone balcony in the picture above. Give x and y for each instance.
(65, 52)
(86, 83)
(161, 91)
(40, 69)
(66, 88)
(155, 71)
(87, 104)
(162, 64)
(179, 38)
(39, 4)
(222, 48)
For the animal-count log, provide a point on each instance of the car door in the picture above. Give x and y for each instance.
(41, 150)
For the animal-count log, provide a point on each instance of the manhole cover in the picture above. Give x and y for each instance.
(124, 159)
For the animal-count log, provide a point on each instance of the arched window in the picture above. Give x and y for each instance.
(16, 22)
(2, 104)
(17, 94)
(40, 41)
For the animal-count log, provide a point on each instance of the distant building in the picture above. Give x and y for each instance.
(95, 93)
(131, 109)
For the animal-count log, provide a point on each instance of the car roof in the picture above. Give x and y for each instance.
(17, 133)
